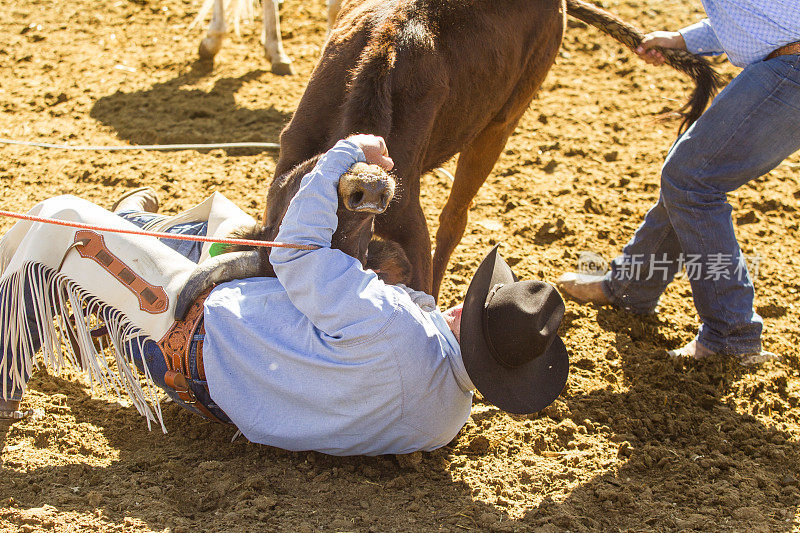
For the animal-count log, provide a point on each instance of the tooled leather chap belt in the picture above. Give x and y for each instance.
(182, 347)
(789, 49)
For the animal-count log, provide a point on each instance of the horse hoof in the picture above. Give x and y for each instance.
(206, 51)
(283, 68)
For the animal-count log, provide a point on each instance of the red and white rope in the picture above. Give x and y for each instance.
(158, 234)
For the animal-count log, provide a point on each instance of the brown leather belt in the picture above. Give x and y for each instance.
(786, 50)
(175, 347)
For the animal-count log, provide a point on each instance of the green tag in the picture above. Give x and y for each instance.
(216, 249)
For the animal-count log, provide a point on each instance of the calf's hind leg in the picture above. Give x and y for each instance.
(474, 165)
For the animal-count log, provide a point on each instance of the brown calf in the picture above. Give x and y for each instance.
(437, 78)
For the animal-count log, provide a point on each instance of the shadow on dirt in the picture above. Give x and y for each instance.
(692, 457)
(175, 113)
(687, 457)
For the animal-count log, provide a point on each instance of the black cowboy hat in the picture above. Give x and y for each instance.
(509, 341)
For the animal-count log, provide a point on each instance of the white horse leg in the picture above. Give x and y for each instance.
(333, 11)
(216, 32)
(273, 45)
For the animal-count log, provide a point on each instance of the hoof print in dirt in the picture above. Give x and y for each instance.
(749, 217)
(772, 310)
(480, 445)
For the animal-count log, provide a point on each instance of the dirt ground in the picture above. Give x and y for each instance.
(636, 443)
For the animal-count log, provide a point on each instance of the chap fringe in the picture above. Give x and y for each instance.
(56, 308)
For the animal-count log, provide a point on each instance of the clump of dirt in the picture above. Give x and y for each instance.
(636, 442)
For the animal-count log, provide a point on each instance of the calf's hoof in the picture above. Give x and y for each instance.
(283, 68)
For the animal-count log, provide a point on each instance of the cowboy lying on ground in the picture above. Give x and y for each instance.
(324, 357)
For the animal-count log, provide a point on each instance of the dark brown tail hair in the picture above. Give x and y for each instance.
(706, 79)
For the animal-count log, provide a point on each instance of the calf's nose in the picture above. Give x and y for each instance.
(366, 189)
(369, 197)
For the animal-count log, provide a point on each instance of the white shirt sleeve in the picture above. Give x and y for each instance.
(329, 287)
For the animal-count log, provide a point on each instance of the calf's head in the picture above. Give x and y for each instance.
(364, 191)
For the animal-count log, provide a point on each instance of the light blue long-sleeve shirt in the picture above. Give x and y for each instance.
(746, 30)
(327, 357)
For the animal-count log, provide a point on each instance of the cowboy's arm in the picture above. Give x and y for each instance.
(326, 285)
(698, 39)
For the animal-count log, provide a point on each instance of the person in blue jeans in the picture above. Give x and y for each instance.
(752, 125)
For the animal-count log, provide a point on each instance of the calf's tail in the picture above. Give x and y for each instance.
(706, 79)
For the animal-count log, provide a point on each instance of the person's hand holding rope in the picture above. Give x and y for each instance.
(664, 39)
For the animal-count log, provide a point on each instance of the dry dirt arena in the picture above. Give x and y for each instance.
(636, 443)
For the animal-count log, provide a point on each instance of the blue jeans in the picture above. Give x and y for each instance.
(751, 127)
(189, 249)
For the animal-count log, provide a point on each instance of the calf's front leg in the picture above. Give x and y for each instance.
(410, 230)
(474, 165)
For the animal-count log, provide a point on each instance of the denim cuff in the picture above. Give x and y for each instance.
(744, 342)
(622, 299)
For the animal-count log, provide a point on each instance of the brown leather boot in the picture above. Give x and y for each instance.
(141, 199)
